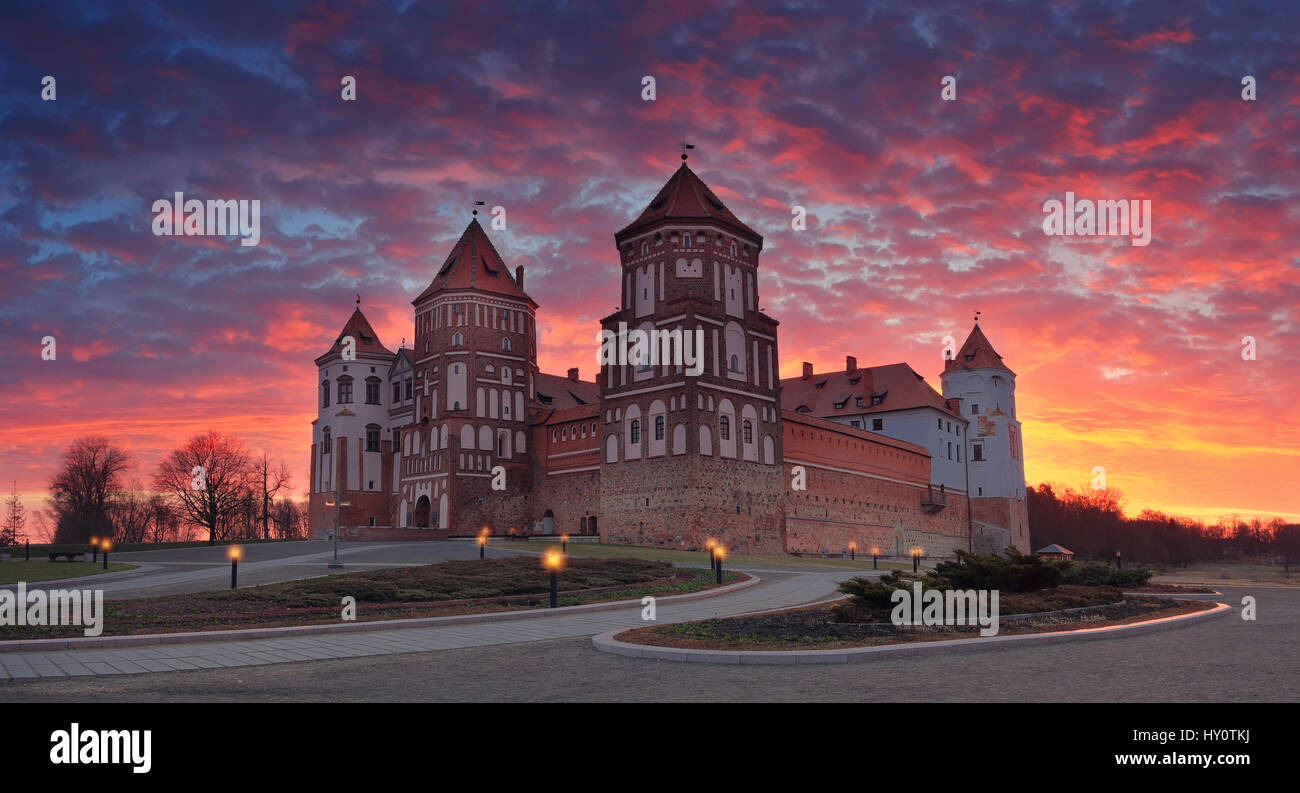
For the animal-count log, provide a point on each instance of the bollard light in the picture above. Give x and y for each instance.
(235, 553)
(553, 562)
(94, 547)
(874, 553)
(27, 549)
(564, 544)
(106, 545)
(853, 551)
(482, 541)
(712, 545)
(719, 553)
(1119, 562)
(916, 560)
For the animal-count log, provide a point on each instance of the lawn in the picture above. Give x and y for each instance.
(1239, 572)
(593, 550)
(11, 572)
(447, 588)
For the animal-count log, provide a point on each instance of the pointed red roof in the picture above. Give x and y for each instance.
(358, 327)
(686, 197)
(474, 264)
(976, 353)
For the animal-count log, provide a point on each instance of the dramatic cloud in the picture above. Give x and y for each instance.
(921, 211)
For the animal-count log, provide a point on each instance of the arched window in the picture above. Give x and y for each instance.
(659, 428)
(505, 345)
(748, 433)
(505, 375)
(372, 437)
(645, 248)
(733, 249)
(564, 434)
(457, 339)
(345, 390)
(325, 442)
(734, 364)
(325, 394)
(555, 435)
(686, 240)
(372, 390)
(724, 428)
(635, 432)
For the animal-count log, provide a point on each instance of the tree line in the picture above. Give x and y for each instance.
(1093, 525)
(211, 487)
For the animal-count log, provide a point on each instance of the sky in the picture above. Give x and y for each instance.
(920, 211)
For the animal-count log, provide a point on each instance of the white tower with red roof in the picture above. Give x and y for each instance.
(351, 441)
(986, 388)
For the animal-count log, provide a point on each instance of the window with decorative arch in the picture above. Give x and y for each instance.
(634, 433)
(748, 432)
(659, 428)
(326, 444)
(505, 345)
(457, 340)
(325, 394)
(372, 390)
(724, 428)
(345, 390)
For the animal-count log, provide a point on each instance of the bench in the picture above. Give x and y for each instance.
(71, 556)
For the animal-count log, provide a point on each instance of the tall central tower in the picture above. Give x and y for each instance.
(691, 452)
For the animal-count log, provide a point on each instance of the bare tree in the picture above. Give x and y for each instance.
(130, 514)
(208, 478)
(87, 482)
(15, 518)
(274, 479)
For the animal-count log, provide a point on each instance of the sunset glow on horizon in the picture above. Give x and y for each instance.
(920, 212)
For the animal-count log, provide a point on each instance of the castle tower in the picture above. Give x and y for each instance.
(475, 366)
(977, 376)
(691, 454)
(351, 447)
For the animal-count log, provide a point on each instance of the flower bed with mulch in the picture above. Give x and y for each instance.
(437, 590)
(813, 627)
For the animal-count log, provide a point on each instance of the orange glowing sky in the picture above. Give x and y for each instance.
(920, 212)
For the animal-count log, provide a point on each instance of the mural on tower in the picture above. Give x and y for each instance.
(686, 433)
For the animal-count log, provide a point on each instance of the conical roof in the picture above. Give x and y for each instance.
(686, 197)
(474, 264)
(358, 327)
(976, 353)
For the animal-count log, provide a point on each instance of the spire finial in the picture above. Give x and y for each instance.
(358, 300)
(977, 317)
(477, 204)
(686, 146)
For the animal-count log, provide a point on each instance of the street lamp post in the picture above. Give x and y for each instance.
(553, 562)
(712, 545)
(336, 503)
(718, 552)
(235, 553)
(108, 546)
(1119, 562)
(564, 544)
(853, 551)
(874, 553)
(94, 549)
(482, 541)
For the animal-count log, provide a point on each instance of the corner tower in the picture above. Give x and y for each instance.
(351, 448)
(986, 388)
(475, 368)
(691, 452)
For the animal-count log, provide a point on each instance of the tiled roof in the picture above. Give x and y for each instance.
(358, 327)
(897, 387)
(474, 264)
(564, 393)
(686, 197)
(976, 353)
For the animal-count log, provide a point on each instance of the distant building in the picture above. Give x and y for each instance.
(1056, 552)
(650, 453)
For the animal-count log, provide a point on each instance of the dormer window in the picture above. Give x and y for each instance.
(819, 385)
(878, 398)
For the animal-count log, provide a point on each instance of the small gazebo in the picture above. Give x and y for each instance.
(1055, 551)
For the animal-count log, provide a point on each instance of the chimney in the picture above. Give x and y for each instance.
(573, 374)
(850, 364)
(519, 276)
(807, 370)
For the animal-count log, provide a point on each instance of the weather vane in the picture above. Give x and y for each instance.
(477, 204)
(685, 146)
(977, 317)
(358, 300)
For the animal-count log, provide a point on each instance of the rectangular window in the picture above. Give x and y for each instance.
(372, 440)
(877, 424)
(974, 409)
(977, 452)
(949, 450)
(345, 392)
(397, 392)
(397, 439)
(408, 388)
(940, 423)
(372, 392)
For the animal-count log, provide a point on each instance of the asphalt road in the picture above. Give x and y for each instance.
(1222, 659)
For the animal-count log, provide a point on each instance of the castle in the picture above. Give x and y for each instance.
(462, 431)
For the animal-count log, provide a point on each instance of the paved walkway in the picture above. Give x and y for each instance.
(776, 590)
